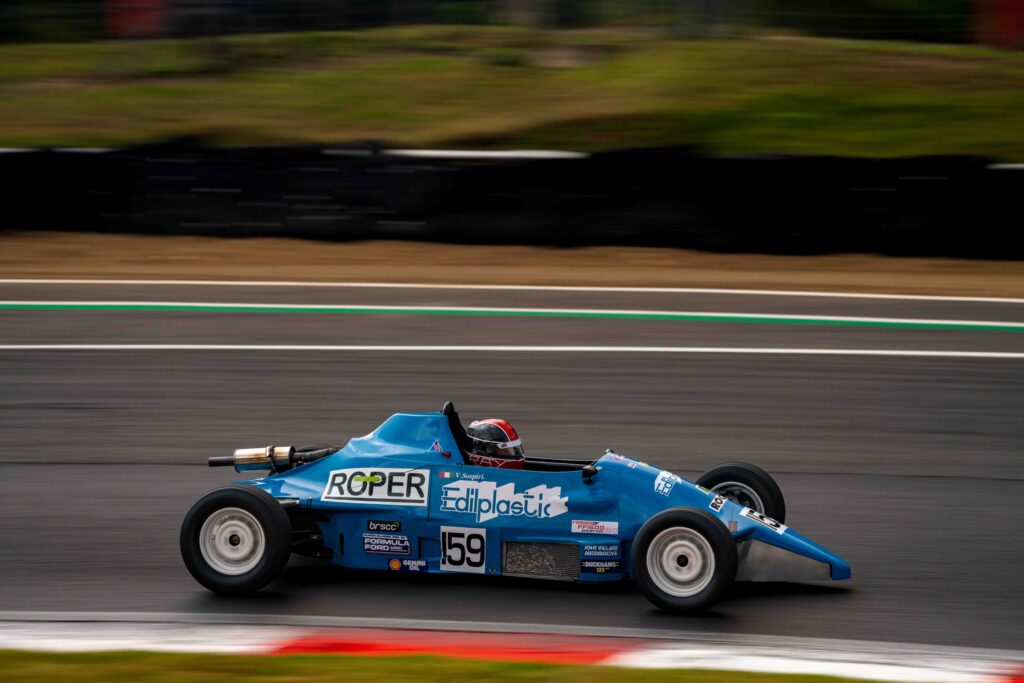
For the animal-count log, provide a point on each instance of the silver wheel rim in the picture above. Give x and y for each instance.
(232, 541)
(740, 494)
(681, 562)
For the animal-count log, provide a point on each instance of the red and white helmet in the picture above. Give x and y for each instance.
(495, 443)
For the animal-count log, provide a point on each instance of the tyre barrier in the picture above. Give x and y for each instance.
(675, 196)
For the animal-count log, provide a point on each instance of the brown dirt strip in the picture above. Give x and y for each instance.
(84, 255)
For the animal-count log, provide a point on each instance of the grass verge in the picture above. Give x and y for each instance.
(507, 87)
(32, 667)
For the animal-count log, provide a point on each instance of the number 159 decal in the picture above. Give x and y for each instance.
(463, 549)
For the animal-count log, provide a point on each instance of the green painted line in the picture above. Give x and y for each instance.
(525, 313)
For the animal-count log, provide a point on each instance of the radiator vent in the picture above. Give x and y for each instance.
(560, 561)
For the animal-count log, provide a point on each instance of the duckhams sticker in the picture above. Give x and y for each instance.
(487, 500)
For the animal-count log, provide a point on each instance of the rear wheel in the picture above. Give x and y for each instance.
(746, 485)
(684, 560)
(236, 539)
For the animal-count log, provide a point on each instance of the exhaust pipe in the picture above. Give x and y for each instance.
(269, 458)
(273, 458)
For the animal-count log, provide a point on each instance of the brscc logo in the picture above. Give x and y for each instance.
(487, 500)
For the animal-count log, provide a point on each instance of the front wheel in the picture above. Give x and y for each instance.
(684, 560)
(236, 540)
(746, 485)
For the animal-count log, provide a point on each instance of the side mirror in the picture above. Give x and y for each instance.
(589, 472)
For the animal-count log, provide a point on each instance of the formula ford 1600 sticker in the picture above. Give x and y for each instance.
(585, 526)
(386, 544)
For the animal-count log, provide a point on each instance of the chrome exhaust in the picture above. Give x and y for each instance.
(270, 458)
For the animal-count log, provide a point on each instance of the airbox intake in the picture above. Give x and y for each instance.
(558, 561)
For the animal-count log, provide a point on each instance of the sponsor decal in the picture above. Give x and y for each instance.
(397, 565)
(387, 527)
(665, 482)
(609, 550)
(583, 526)
(487, 500)
(717, 502)
(386, 544)
(378, 486)
(436, 446)
(764, 520)
(633, 464)
(463, 549)
(618, 458)
(474, 476)
(599, 566)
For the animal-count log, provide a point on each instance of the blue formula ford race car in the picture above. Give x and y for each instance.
(406, 498)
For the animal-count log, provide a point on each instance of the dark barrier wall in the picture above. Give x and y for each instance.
(951, 206)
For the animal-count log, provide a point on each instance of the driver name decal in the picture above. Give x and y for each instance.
(487, 500)
(378, 486)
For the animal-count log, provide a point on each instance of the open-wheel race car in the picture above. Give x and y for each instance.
(405, 498)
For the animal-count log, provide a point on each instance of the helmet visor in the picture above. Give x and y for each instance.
(499, 449)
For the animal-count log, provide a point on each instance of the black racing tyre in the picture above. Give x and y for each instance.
(684, 560)
(236, 540)
(747, 485)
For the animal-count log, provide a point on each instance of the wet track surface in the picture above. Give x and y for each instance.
(910, 468)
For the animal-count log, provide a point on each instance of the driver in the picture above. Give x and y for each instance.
(495, 443)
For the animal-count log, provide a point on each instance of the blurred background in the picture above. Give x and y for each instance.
(939, 21)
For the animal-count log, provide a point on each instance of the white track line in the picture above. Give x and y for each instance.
(546, 312)
(517, 349)
(525, 288)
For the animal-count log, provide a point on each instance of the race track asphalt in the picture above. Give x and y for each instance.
(910, 468)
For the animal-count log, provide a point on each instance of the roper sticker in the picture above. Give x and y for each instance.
(764, 520)
(717, 503)
(463, 549)
(378, 486)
